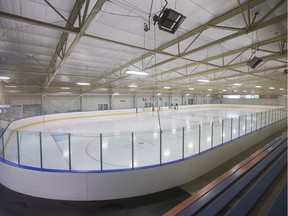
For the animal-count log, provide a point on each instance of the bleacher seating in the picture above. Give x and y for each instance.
(263, 166)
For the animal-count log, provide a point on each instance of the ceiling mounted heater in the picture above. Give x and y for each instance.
(254, 62)
(169, 20)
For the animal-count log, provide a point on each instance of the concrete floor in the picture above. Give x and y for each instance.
(15, 204)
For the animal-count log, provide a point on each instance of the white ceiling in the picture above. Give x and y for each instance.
(214, 42)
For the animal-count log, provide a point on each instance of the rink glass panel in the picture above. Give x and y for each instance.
(146, 148)
(191, 140)
(227, 128)
(235, 127)
(1, 142)
(117, 151)
(205, 137)
(30, 150)
(11, 145)
(217, 131)
(172, 145)
(55, 153)
(254, 121)
(85, 152)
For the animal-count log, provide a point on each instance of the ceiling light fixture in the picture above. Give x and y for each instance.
(203, 80)
(271, 87)
(65, 88)
(11, 86)
(4, 78)
(83, 84)
(281, 89)
(167, 87)
(258, 86)
(192, 89)
(132, 86)
(237, 84)
(141, 73)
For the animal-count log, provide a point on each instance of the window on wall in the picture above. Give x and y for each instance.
(102, 106)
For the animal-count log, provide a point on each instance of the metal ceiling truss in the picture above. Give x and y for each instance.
(84, 20)
(233, 66)
(227, 82)
(38, 23)
(255, 27)
(252, 27)
(190, 34)
(236, 51)
(228, 66)
(61, 50)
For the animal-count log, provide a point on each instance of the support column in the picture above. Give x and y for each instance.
(170, 100)
(2, 98)
(111, 101)
(81, 102)
(135, 105)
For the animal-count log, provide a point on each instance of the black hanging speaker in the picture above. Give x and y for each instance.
(254, 62)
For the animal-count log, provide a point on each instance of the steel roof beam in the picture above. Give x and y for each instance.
(62, 44)
(38, 23)
(84, 25)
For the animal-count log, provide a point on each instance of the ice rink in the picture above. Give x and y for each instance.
(110, 141)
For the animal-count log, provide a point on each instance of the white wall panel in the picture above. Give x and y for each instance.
(59, 104)
(91, 102)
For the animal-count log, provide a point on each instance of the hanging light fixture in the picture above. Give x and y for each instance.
(141, 73)
(169, 20)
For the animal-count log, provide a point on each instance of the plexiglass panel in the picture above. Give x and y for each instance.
(172, 145)
(217, 131)
(10, 145)
(227, 127)
(191, 141)
(248, 123)
(265, 117)
(146, 143)
(29, 144)
(205, 142)
(1, 142)
(235, 127)
(85, 152)
(117, 151)
(242, 125)
(253, 121)
(269, 117)
(55, 151)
